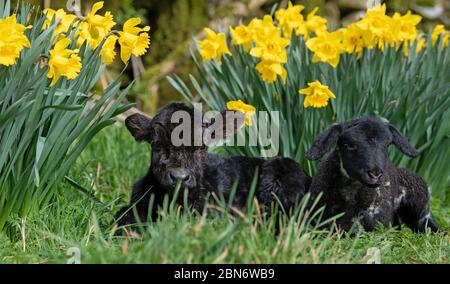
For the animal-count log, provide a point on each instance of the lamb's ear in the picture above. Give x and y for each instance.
(223, 126)
(139, 126)
(401, 142)
(324, 142)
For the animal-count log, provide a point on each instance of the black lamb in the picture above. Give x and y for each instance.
(357, 178)
(203, 173)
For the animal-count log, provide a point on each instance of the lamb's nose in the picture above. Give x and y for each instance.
(375, 173)
(179, 174)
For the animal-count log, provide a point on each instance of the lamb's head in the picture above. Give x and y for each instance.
(362, 145)
(179, 136)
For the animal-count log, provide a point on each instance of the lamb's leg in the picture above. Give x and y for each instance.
(138, 209)
(414, 209)
(284, 178)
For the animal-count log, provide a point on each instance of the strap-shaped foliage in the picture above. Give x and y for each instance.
(411, 92)
(44, 129)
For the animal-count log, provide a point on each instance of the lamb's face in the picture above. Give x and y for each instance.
(171, 162)
(363, 151)
(174, 164)
(178, 146)
(362, 145)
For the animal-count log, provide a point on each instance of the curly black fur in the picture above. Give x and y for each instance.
(203, 173)
(358, 179)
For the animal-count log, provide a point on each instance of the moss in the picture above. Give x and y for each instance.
(311, 4)
(178, 21)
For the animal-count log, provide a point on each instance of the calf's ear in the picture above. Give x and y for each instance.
(324, 142)
(139, 126)
(223, 126)
(401, 142)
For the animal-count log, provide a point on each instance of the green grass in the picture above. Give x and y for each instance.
(107, 169)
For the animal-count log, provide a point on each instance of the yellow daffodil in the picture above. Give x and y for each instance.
(406, 47)
(242, 35)
(405, 26)
(63, 62)
(446, 39)
(99, 25)
(264, 30)
(64, 20)
(437, 31)
(133, 40)
(315, 24)
(273, 49)
(327, 47)
(421, 43)
(12, 40)
(95, 27)
(214, 46)
(290, 19)
(270, 46)
(375, 20)
(355, 39)
(108, 52)
(269, 70)
(316, 95)
(247, 110)
(379, 25)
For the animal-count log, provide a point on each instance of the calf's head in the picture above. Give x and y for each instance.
(362, 145)
(179, 136)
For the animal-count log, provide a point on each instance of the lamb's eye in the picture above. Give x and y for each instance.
(160, 154)
(350, 147)
(165, 155)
